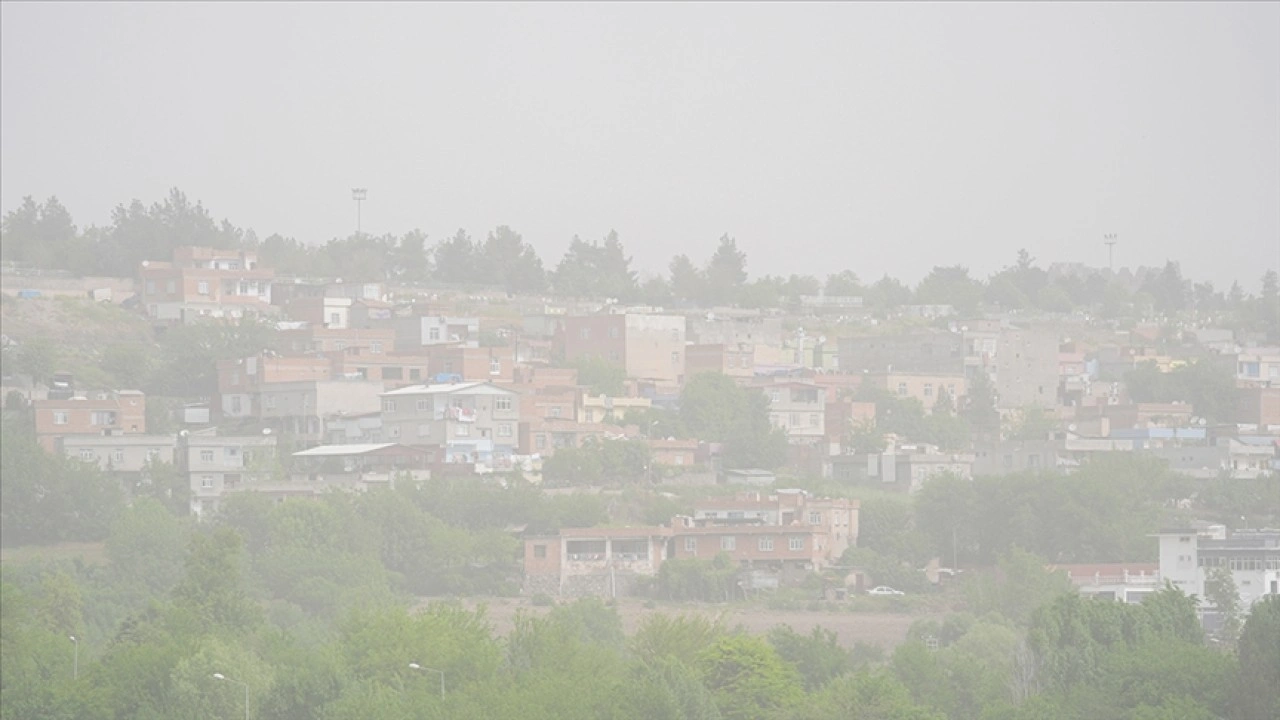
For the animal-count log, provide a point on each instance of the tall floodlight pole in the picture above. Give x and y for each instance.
(75, 662)
(1110, 241)
(359, 194)
(220, 676)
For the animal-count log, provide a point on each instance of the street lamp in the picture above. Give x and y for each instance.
(75, 662)
(220, 676)
(416, 666)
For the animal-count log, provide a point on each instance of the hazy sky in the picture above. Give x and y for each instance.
(882, 138)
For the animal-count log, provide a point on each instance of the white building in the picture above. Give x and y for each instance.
(1253, 556)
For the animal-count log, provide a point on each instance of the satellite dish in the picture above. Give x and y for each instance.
(266, 431)
(1072, 427)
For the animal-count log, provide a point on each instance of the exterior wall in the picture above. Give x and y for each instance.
(1259, 366)
(601, 336)
(655, 347)
(300, 408)
(924, 387)
(119, 453)
(326, 340)
(603, 562)
(674, 453)
(1258, 406)
(798, 409)
(1027, 369)
(749, 331)
(931, 352)
(329, 312)
(495, 364)
(594, 409)
(393, 371)
(470, 424)
(218, 465)
(731, 360)
(121, 412)
(413, 333)
(845, 416)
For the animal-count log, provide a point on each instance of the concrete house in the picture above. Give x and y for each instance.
(646, 347)
(469, 422)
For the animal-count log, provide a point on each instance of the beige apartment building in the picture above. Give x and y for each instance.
(647, 347)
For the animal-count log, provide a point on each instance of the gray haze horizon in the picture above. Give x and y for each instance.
(882, 138)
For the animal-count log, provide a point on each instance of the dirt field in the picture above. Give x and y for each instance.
(885, 630)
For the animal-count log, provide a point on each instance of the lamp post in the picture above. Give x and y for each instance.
(220, 676)
(416, 666)
(75, 661)
(359, 194)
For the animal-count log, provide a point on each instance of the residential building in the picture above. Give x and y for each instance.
(672, 452)
(737, 361)
(1026, 369)
(647, 347)
(493, 364)
(393, 370)
(735, 328)
(326, 312)
(217, 465)
(602, 562)
(240, 381)
(605, 409)
(205, 282)
(921, 352)
(359, 466)
(417, 331)
(297, 338)
(799, 409)
(94, 413)
(909, 468)
(844, 416)
(1258, 406)
(1015, 456)
(1258, 367)
(927, 388)
(1129, 583)
(544, 436)
(302, 408)
(1252, 556)
(468, 422)
(119, 453)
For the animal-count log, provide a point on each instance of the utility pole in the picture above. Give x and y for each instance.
(1110, 241)
(359, 194)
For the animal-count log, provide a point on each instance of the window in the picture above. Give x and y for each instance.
(555, 411)
(902, 389)
(675, 335)
(815, 518)
(392, 373)
(495, 367)
(795, 543)
(675, 358)
(504, 430)
(424, 430)
(765, 544)
(117, 455)
(793, 420)
(389, 406)
(540, 551)
(415, 374)
(335, 319)
(202, 288)
(87, 455)
(206, 481)
(59, 417)
(433, 334)
(421, 405)
(691, 544)
(463, 430)
(102, 417)
(206, 456)
(393, 431)
(502, 403)
(613, 332)
(585, 333)
(728, 542)
(151, 287)
(340, 345)
(928, 389)
(269, 401)
(540, 442)
(813, 420)
(775, 396)
(375, 347)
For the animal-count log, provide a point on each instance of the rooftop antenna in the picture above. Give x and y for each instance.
(359, 194)
(1110, 241)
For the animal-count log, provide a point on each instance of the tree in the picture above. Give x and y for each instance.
(950, 286)
(1257, 693)
(726, 272)
(457, 259)
(212, 590)
(715, 409)
(843, 283)
(686, 281)
(817, 656)
(511, 263)
(1220, 591)
(747, 678)
(887, 293)
(1168, 290)
(600, 376)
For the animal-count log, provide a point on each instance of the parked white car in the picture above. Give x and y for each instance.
(884, 590)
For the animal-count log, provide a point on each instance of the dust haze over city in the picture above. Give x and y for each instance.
(725, 360)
